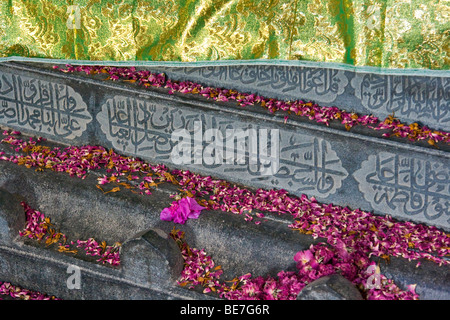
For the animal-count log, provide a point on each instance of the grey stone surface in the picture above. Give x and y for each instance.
(432, 281)
(332, 287)
(48, 271)
(358, 169)
(151, 261)
(241, 247)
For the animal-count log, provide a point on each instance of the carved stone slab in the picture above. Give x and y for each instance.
(47, 107)
(255, 149)
(315, 83)
(405, 184)
(410, 97)
(150, 129)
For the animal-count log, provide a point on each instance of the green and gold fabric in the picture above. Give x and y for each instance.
(401, 34)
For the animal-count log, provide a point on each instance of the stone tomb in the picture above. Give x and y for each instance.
(245, 145)
(249, 146)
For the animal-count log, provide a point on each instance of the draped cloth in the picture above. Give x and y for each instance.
(394, 34)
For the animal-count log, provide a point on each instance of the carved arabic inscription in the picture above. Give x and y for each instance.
(302, 164)
(309, 165)
(42, 106)
(396, 184)
(310, 83)
(411, 98)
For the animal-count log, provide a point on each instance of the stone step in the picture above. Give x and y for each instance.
(82, 211)
(151, 262)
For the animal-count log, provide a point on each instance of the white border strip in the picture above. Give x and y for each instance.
(292, 63)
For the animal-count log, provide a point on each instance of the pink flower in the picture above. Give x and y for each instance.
(305, 258)
(168, 214)
(342, 249)
(181, 210)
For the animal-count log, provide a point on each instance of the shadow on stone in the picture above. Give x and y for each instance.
(332, 287)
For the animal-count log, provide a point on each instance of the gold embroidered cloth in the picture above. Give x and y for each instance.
(405, 34)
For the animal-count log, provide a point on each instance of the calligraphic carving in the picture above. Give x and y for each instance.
(407, 97)
(145, 128)
(322, 84)
(309, 165)
(42, 106)
(141, 127)
(402, 185)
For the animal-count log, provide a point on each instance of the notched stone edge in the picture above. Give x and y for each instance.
(331, 287)
(151, 258)
(12, 217)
